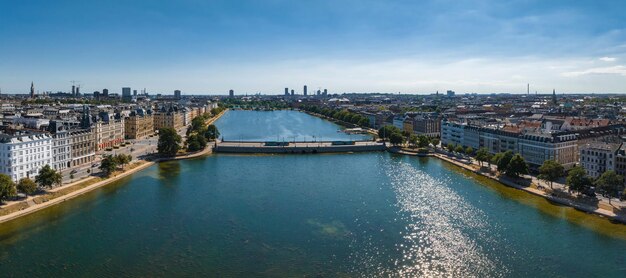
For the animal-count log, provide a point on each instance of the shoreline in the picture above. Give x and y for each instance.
(621, 219)
(144, 164)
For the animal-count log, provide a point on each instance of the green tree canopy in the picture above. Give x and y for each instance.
(108, 165)
(434, 141)
(483, 155)
(610, 184)
(48, 177)
(196, 142)
(502, 160)
(459, 149)
(26, 186)
(212, 132)
(469, 150)
(577, 179)
(422, 141)
(169, 142)
(385, 132)
(550, 171)
(7, 187)
(517, 166)
(396, 138)
(413, 140)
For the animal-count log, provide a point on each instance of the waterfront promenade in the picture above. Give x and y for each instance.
(531, 185)
(74, 189)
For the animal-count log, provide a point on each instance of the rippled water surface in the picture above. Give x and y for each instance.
(282, 125)
(341, 215)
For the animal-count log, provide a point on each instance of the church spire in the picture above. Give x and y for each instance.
(32, 89)
(554, 96)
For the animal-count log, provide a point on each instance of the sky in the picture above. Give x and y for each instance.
(209, 47)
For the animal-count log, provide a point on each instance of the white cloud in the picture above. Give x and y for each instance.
(615, 70)
(608, 59)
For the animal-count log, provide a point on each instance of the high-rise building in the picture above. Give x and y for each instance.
(293, 92)
(105, 92)
(32, 89)
(134, 92)
(450, 93)
(325, 91)
(77, 91)
(96, 95)
(286, 91)
(126, 94)
(177, 94)
(231, 93)
(304, 90)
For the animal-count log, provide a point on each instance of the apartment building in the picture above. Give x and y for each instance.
(23, 153)
(139, 124)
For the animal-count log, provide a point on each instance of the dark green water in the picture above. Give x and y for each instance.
(345, 215)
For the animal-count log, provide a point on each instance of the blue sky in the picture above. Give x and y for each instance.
(344, 45)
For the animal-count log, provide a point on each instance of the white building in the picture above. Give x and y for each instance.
(61, 146)
(24, 153)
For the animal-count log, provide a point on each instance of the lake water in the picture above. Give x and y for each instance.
(281, 125)
(335, 215)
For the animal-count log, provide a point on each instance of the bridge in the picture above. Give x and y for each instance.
(298, 147)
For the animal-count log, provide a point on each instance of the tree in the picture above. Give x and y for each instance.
(26, 186)
(385, 132)
(122, 159)
(212, 132)
(483, 155)
(434, 141)
(48, 177)
(108, 165)
(197, 123)
(169, 142)
(550, 171)
(7, 187)
(450, 147)
(610, 184)
(196, 142)
(396, 138)
(502, 160)
(577, 179)
(413, 140)
(469, 150)
(517, 166)
(458, 149)
(422, 141)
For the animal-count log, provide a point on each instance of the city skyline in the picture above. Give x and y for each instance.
(345, 46)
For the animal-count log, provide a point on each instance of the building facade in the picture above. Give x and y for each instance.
(139, 124)
(24, 153)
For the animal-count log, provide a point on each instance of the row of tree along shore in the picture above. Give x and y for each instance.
(513, 165)
(169, 145)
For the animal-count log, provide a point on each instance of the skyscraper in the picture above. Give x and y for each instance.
(325, 91)
(231, 93)
(32, 89)
(134, 92)
(286, 91)
(293, 92)
(126, 94)
(73, 90)
(177, 94)
(105, 92)
(305, 90)
(554, 97)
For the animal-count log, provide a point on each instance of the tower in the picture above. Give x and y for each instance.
(554, 96)
(305, 90)
(32, 89)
